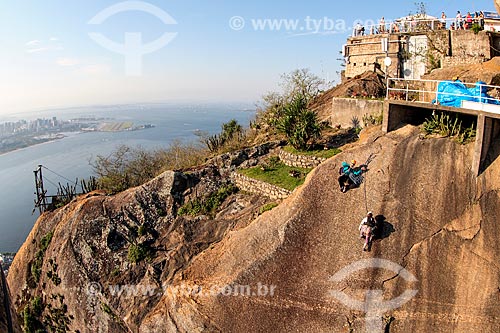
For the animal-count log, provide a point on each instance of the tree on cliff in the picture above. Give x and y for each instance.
(287, 111)
(127, 167)
(297, 82)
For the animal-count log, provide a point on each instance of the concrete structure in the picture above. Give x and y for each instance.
(491, 21)
(397, 113)
(342, 110)
(413, 54)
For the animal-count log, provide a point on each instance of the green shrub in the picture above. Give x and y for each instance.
(231, 131)
(274, 161)
(373, 119)
(36, 265)
(210, 203)
(161, 212)
(137, 253)
(106, 309)
(127, 167)
(298, 124)
(45, 241)
(39, 317)
(31, 315)
(476, 28)
(448, 125)
(142, 230)
(298, 82)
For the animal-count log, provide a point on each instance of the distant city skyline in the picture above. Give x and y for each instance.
(208, 51)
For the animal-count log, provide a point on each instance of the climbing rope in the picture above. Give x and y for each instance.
(368, 161)
(366, 198)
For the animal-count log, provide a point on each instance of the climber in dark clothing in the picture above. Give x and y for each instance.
(350, 175)
(344, 172)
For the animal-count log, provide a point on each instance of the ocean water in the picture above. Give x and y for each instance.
(69, 157)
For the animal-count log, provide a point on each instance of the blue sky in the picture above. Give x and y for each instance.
(48, 60)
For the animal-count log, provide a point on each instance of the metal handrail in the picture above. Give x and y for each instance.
(373, 29)
(408, 90)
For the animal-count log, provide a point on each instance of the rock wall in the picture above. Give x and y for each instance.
(300, 161)
(468, 47)
(259, 187)
(8, 316)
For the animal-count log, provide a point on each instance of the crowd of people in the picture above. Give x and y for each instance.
(465, 22)
(416, 23)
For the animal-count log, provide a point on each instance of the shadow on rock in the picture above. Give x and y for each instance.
(384, 228)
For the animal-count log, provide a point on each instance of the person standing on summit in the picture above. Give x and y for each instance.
(459, 21)
(468, 21)
(381, 25)
(443, 21)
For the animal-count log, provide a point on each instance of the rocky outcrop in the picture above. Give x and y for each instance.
(488, 72)
(135, 238)
(366, 85)
(232, 273)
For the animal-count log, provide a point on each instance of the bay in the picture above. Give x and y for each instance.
(70, 156)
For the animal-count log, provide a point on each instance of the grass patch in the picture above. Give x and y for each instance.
(278, 174)
(315, 153)
(267, 207)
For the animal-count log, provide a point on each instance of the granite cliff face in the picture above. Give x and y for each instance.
(441, 225)
(8, 317)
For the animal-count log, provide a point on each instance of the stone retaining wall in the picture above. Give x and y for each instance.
(300, 161)
(251, 185)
